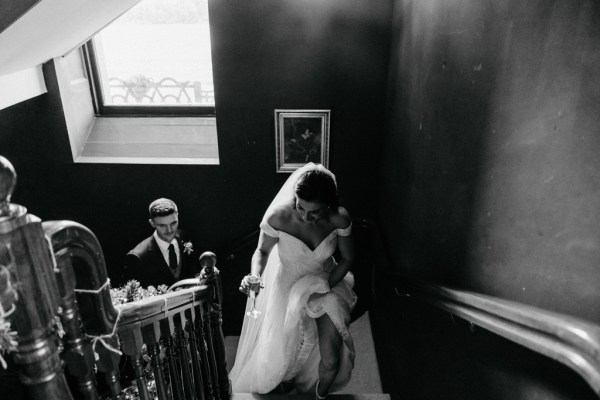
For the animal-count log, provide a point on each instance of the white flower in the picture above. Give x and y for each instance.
(188, 247)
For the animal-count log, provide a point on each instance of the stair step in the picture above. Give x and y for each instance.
(365, 376)
(341, 396)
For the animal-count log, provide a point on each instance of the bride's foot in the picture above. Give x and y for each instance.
(319, 397)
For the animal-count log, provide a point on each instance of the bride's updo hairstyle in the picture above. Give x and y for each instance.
(317, 186)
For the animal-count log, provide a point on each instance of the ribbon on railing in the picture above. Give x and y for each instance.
(52, 257)
(100, 338)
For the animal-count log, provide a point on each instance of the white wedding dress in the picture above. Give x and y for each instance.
(282, 343)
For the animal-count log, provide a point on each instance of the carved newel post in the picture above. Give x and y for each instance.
(25, 251)
(210, 275)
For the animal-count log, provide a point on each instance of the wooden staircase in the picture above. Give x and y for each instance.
(53, 281)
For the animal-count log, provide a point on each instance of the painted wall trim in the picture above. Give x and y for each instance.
(20, 86)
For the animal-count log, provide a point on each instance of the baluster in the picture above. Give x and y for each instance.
(131, 345)
(184, 356)
(167, 331)
(212, 361)
(203, 349)
(108, 365)
(151, 335)
(25, 252)
(210, 275)
(194, 349)
(219, 348)
(78, 353)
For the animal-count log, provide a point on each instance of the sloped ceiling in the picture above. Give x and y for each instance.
(10, 11)
(46, 29)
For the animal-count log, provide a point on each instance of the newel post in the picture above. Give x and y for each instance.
(25, 252)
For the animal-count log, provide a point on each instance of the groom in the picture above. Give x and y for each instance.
(163, 258)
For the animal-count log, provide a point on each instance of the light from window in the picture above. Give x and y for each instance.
(157, 54)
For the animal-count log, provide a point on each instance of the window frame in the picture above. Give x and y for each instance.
(100, 109)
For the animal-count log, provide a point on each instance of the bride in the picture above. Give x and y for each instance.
(305, 297)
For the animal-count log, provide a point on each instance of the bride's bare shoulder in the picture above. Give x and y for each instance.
(280, 216)
(341, 218)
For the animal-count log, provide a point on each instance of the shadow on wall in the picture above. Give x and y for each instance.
(490, 168)
(440, 106)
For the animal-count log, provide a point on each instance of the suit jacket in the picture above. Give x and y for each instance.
(146, 264)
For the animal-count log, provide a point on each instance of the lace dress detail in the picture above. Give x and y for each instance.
(282, 343)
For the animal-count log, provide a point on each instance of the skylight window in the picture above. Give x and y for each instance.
(155, 59)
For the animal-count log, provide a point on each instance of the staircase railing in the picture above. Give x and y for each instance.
(55, 293)
(571, 341)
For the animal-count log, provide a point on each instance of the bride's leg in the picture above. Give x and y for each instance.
(330, 343)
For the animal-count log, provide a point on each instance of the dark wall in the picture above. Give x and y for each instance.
(10, 11)
(491, 174)
(266, 55)
(490, 183)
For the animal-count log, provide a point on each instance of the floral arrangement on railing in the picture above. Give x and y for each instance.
(133, 291)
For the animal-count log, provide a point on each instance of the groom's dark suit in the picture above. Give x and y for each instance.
(146, 264)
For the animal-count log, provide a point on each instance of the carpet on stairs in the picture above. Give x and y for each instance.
(365, 376)
(341, 396)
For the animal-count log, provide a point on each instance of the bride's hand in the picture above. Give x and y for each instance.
(251, 282)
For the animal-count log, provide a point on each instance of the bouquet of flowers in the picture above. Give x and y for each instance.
(133, 291)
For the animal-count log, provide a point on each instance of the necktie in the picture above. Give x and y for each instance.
(172, 257)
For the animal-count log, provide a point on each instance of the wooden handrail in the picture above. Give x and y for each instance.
(151, 309)
(571, 341)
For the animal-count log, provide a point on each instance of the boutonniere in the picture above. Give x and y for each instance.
(188, 247)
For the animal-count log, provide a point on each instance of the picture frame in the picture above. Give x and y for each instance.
(301, 136)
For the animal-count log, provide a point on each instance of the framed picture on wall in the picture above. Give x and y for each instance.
(301, 136)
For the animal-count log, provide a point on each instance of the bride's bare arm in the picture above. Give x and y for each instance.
(346, 248)
(259, 260)
(261, 254)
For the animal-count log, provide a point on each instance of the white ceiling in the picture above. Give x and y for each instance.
(52, 28)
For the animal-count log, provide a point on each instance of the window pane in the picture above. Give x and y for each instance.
(157, 54)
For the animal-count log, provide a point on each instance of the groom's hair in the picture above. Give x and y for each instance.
(161, 207)
(317, 186)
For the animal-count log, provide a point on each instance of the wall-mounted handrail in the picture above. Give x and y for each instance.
(571, 341)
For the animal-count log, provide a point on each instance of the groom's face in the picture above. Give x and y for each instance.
(166, 226)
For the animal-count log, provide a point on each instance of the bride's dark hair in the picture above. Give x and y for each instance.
(317, 186)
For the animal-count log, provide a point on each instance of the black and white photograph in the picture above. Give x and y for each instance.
(299, 200)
